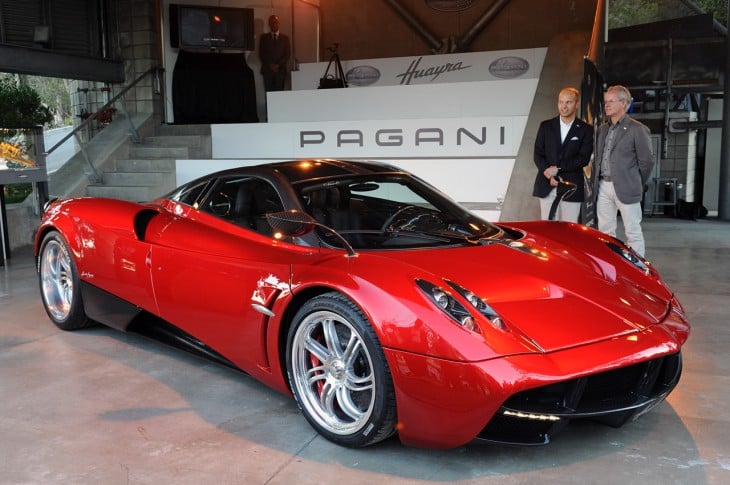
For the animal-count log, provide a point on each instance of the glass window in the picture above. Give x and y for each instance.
(395, 211)
(189, 194)
(244, 202)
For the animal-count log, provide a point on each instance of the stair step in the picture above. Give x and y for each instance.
(132, 179)
(143, 151)
(191, 141)
(134, 194)
(198, 146)
(145, 165)
(182, 130)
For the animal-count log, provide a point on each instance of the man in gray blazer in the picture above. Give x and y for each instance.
(624, 161)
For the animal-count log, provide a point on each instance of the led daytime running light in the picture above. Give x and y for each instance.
(532, 416)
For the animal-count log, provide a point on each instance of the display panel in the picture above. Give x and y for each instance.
(21, 155)
(211, 28)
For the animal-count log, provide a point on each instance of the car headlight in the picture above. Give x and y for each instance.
(629, 255)
(453, 307)
(479, 305)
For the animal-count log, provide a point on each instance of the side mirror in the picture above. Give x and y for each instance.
(295, 223)
(291, 223)
(565, 189)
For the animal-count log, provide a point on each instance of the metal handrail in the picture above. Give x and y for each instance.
(91, 173)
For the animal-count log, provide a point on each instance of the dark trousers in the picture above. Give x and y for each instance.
(274, 81)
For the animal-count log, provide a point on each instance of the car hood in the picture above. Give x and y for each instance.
(555, 295)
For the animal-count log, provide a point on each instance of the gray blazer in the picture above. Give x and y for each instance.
(631, 158)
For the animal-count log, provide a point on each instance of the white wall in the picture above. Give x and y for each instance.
(461, 136)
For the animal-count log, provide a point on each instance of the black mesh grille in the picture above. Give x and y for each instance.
(611, 397)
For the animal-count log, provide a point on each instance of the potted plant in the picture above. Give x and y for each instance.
(21, 106)
(21, 110)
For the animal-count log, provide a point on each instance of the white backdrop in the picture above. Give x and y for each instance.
(461, 136)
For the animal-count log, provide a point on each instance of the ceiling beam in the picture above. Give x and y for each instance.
(38, 62)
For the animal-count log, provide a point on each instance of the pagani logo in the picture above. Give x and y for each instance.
(397, 137)
(450, 5)
(509, 67)
(362, 75)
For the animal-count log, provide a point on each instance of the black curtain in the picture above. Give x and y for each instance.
(213, 88)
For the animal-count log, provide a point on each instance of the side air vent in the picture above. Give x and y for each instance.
(141, 221)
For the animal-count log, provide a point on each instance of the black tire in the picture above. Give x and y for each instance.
(338, 372)
(58, 280)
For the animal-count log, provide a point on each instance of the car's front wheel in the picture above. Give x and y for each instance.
(59, 284)
(338, 372)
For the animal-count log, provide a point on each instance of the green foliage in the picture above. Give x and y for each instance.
(20, 107)
(56, 94)
(624, 13)
(15, 193)
(716, 7)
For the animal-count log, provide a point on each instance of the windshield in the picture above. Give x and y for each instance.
(390, 211)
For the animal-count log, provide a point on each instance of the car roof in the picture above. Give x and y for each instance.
(295, 171)
(316, 169)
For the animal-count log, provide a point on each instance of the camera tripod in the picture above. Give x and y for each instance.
(337, 79)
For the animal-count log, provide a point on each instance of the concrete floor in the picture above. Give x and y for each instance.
(103, 407)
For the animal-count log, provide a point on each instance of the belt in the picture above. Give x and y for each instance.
(606, 178)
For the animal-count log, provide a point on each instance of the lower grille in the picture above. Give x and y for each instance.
(613, 398)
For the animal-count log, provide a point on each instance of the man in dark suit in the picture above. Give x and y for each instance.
(563, 146)
(274, 51)
(624, 161)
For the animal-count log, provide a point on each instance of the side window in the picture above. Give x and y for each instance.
(189, 194)
(221, 199)
(244, 202)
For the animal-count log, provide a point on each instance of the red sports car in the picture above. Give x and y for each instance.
(382, 305)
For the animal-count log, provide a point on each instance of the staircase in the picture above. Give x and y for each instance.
(149, 170)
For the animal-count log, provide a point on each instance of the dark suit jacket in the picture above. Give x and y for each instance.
(631, 158)
(273, 52)
(570, 156)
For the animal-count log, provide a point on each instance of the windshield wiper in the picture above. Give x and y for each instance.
(481, 240)
(420, 234)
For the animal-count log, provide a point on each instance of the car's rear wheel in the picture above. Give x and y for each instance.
(338, 372)
(59, 284)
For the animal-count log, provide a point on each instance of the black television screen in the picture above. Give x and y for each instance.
(205, 28)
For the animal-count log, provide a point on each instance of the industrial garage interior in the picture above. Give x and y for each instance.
(102, 406)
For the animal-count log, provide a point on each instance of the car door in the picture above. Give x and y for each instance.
(216, 271)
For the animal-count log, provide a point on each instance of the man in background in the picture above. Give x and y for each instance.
(624, 161)
(274, 52)
(563, 146)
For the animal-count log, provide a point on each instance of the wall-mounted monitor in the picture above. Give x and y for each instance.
(211, 28)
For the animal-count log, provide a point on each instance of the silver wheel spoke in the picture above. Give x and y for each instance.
(331, 338)
(317, 349)
(360, 384)
(327, 398)
(353, 345)
(316, 374)
(348, 406)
